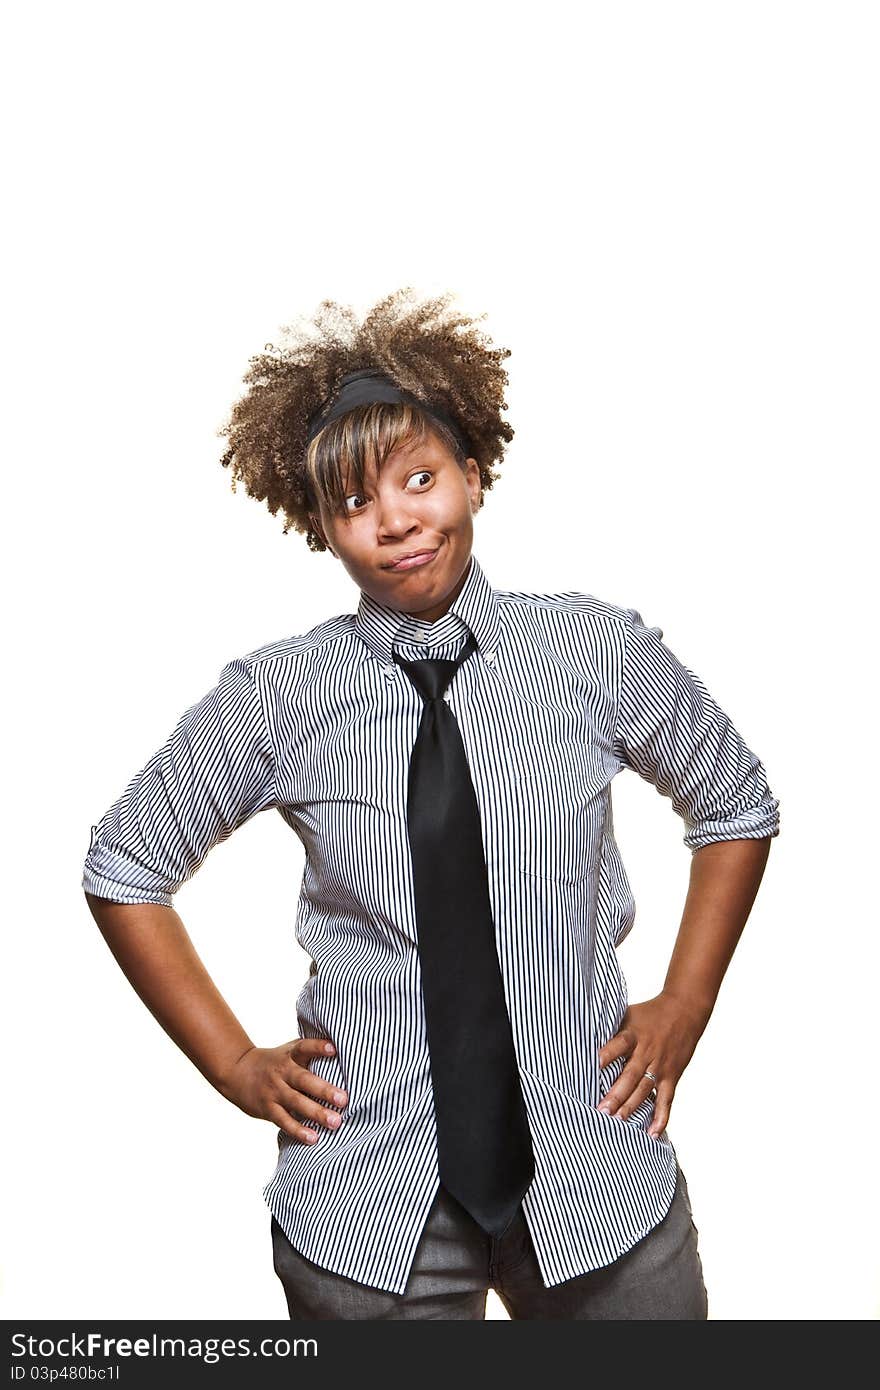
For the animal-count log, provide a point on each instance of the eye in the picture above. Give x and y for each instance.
(354, 496)
(422, 473)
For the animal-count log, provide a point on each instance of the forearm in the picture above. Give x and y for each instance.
(155, 952)
(724, 882)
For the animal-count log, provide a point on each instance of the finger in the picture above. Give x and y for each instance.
(624, 1087)
(286, 1122)
(301, 1051)
(662, 1107)
(311, 1047)
(618, 1046)
(310, 1093)
(302, 1079)
(289, 1123)
(296, 1100)
(642, 1089)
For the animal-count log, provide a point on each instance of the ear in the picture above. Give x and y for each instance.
(474, 483)
(316, 527)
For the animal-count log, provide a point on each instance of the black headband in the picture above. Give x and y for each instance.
(370, 384)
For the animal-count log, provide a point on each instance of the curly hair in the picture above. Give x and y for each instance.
(434, 355)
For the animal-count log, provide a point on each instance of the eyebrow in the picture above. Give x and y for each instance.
(403, 466)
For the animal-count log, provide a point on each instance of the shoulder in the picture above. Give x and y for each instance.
(571, 610)
(299, 649)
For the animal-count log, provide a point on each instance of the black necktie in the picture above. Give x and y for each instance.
(484, 1148)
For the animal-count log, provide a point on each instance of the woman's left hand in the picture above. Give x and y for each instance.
(659, 1035)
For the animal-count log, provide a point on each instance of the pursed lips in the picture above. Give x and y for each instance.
(414, 557)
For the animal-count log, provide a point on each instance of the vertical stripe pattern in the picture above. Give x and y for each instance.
(564, 691)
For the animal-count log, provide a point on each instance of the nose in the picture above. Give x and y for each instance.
(394, 519)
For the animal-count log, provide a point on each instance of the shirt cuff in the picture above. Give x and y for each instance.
(109, 874)
(758, 823)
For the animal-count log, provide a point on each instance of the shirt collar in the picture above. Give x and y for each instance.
(379, 625)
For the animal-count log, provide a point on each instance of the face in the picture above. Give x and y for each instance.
(421, 501)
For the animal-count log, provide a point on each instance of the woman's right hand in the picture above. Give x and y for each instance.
(271, 1082)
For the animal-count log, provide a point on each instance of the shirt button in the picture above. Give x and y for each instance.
(490, 657)
(389, 670)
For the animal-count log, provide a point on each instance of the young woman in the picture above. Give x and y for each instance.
(470, 1101)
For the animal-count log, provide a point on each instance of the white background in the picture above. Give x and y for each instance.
(670, 214)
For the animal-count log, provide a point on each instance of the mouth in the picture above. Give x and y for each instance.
(413, 561)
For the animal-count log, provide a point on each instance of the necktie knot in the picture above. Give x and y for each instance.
(432, 675)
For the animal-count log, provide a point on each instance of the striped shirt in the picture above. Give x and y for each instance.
(563, 691)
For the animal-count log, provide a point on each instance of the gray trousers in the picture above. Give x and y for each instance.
(456, 1263)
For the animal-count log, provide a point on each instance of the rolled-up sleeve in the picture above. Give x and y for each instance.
(673, 734)
(215, 770)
